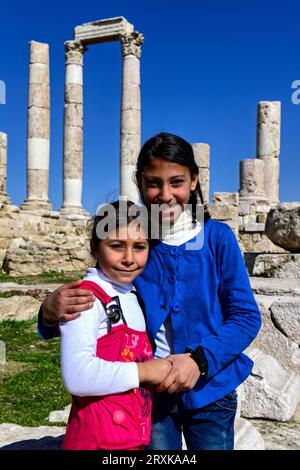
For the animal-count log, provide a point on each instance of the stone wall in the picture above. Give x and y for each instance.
(32, 243)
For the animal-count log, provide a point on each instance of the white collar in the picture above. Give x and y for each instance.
(183, 229)
(109, 286)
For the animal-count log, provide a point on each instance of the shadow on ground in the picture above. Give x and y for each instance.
(45, 443)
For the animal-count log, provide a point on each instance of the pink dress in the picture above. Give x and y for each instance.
(119, 421)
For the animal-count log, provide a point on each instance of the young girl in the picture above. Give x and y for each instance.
(106, 355)
(200, 309)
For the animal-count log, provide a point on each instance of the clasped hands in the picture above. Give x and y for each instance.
(183, 375)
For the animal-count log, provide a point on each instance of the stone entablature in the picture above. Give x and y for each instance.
(106, 30)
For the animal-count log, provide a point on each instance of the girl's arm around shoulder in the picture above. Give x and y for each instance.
(83, 373)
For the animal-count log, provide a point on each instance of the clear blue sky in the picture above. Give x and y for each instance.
(204, 67)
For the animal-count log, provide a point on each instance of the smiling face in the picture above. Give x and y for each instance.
(169, 185)
(121, 257)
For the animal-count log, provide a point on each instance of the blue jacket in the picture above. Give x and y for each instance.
(209, 298)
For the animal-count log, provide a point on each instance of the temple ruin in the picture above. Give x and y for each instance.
(34, 238)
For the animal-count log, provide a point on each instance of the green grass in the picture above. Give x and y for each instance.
(30, 381)
(47, 277)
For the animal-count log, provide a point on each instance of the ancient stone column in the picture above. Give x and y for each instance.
(3, 160)
(38, 128)
(252, 180)
(202, 158)
(268, 145)
(73, 114)
(130, 112)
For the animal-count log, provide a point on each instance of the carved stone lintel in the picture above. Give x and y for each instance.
(74, 51)
(131, 44)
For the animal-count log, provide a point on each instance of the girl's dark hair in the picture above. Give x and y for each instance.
(174, 149)
(120, 217)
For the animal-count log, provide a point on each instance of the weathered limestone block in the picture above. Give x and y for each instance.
(270, 391)
(286, 316)
(39, 52)
(246, 244)
(39, 95)
(275, 287)
(223, 212)
(131, 97)
(204, 175)
(18, 307)
(130, 151)
(252, 181)
(73, 140)
(60, 416)
(244, 208)
(226, 199)
(202, 159)
(73, 114)
(278, 265)
(264, 245)
(3, 165)
(271, 340)
(56, 252)
(261, 218)
(283, 226)
(130, 122)
(202, 155)
(38, 123)
(268, 129)
(131, 75)
(268, 145)
(38, 181)
(73, 164)
(246, 436)
(254, 227)
(73, 93)
(249, 220)
(272, 168)
(38, 74)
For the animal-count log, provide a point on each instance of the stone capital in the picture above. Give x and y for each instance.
(131, 44)
(74, 52)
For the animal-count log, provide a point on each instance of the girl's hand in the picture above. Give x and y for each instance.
(153, 372)
(183, 375)
(66, 302)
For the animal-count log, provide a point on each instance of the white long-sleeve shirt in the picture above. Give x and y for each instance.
(83, 373)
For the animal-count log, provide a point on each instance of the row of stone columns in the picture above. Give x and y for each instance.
(38, 132)
(259, 177)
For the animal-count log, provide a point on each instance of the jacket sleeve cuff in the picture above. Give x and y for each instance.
(46, 330)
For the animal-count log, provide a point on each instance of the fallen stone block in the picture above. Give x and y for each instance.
(270, 391)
